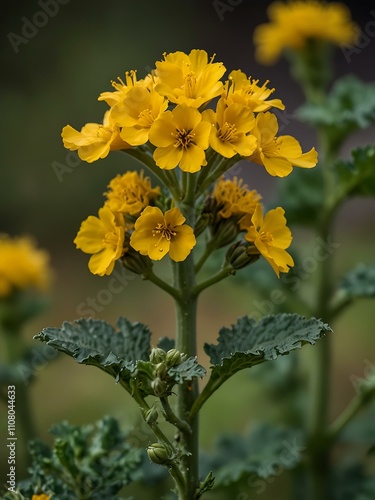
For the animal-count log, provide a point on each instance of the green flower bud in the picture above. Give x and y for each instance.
(151, 415)
(241, 254)
(161, 370)
(158, 453)
(135, 262)
(224, 232)
(157, 355)
(202, 223)
(159, 387)
(173, 357)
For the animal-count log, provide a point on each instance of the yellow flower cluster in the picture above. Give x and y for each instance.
(165, 112)
(292, 24)
(164, 120)
(22, 266)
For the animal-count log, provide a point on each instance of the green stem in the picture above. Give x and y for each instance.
(150, 276)
(210, 247)
(220, 275)
(172, 418)
(186, 307)
(223, 165)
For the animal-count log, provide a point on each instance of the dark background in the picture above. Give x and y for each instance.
(55, 80)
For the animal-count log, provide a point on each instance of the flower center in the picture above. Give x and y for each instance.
(183, 138)
(110, 239)
(267, 238)
(163, 231)
(228, 132)
(146, 118)
(190, 81)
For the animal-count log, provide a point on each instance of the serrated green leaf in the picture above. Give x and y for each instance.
(95, 342)
(261, 453)
(249, 343)
(188, 370)
(360, 282)
(352, 483)
(350, 106)
(357, 176)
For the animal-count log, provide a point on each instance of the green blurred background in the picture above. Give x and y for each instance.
(55, 80)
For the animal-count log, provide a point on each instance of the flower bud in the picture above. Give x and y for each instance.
(161, 370)
(159, 387)
(158, 453)
(241, 254)
(151, 415)
(135, 262)
(157, 355)
(202, 223)
(224, 232)
(173, 357)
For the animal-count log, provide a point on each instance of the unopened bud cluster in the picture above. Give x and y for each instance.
(163, 361)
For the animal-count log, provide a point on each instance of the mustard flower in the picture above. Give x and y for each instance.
(189, 79)
(243, 90)
(292, 24)
(181, 138)
(271, 237)
(130, 193)
(42, 496)
(121, 88)
(136, 114)
(234, 198)
(230, 129)
(22, 266)
(103, 237)
(94, 141)
(156, 234)
(278, 154)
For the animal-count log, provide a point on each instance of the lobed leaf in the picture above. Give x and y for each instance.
(360, 282)
(187, 370)
(357, 175)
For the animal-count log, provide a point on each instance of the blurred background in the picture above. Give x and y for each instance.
(54, 79)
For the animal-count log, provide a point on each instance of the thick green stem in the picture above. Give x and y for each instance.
(186, 306)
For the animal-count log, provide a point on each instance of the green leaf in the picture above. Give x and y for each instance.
(251, 342)
(357, 176)
(350, 106)
(95, 342)
(187, 370)
(352, 483)
(262, 453)
(360, 282)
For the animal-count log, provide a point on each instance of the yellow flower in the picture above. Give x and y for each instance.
(95, 140)
(22, 266)
(271, 237)
(243, 90)
(156, 234)
(234, 198)
(102, 237)
(230, 127)
(189, 79)
(121, 88)
(181, 138)
(43, 496)
(137, 112)
(294, 23)
(278, 154)
(130, 193)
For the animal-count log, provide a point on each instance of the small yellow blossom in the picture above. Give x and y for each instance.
(181, 138)
(137, 112)
(243, 90)
(121, 88)
(292, 24)
(156, 234)
(230, 129)
(42, 496)
(130, 193)
(95, 141)
(22, 266)
(234, 198)
(189, 79)
(278, 154)
(102, 237)
(271, 237)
